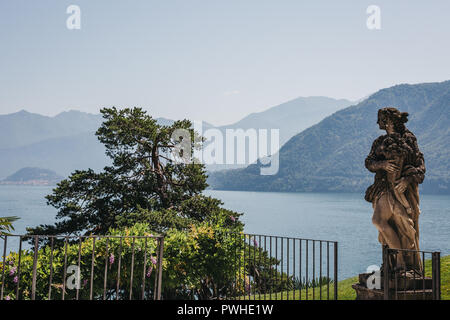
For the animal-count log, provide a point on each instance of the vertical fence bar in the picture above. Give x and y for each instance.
(386, 272)
(118, 269)
(307, 271)
(404, 277)
(314, 271)
(249, 259)
(265, 266)
(132, 269)
(423, 276)
(320, 272)
(293, 261)
(414, 272)
(51, 269)
(240, 265)
(300, 270)
(3, 266)
(287, 271)
(160, 260)
(143, 270)
(254, 268)
(271, 273)
(235, 271)
(328, 270)
(438, 273)
(105, 277)
(78, 270)
(335, 271)
(35, 258)
(91, 288)
(261, 268)
(18, 268)
(436, 277)
(281, 275)
(65, 269)
(276, 268)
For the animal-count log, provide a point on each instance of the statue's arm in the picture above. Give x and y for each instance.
(371, 163)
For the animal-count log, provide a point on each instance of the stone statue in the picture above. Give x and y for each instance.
(399, 167)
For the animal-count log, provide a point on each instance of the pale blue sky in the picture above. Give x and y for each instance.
(215, 60)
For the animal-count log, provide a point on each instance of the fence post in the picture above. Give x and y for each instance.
(436, 275)
(160, 258)
(3, 268)
(33, 285)
(386, 272)
(335, 271)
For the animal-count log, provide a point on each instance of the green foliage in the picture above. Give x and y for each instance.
(144, 183)
(196, 262)
(6, 225)
(144, 191)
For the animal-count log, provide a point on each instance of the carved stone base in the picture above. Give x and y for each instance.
(408, 288)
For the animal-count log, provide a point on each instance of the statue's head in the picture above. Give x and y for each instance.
(392, 118)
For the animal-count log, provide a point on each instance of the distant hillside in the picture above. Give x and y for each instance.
(290, 118)
(67, 141)
(33, 176)
(24, 128)
(63, 143)
(330, 156)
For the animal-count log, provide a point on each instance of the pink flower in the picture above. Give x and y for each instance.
(16, 279)
(255, 242)
(233, 218)
(153, 260)
(111, 259)
(12, 271)
(7, 298)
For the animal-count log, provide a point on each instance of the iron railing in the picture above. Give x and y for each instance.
(130, 267)
(279, 268)
(81, 267)
(403, 282)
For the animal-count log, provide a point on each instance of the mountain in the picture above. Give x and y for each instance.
(33, 176)
(329, 156)
(24, 128)
(67, 141)
(290, 118)
(64, 143)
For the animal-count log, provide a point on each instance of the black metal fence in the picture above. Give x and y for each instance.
(81, 267)
(281, 268)
(411, 274)
(109, 267)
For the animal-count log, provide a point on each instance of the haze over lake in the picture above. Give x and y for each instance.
(342, 217)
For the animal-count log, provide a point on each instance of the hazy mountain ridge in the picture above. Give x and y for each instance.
(63, 143)
(67, 141)
(290, 118)
(330, 156)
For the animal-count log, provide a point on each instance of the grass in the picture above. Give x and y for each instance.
(346, 292)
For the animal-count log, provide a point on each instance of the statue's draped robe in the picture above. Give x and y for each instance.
(413, 169)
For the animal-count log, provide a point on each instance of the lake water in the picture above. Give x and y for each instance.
(343, 217)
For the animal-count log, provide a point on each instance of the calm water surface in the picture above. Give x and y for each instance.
(343, 217)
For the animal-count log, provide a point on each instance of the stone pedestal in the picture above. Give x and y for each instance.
(404, 288)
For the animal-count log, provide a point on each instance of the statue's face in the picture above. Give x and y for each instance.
(384, 122)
